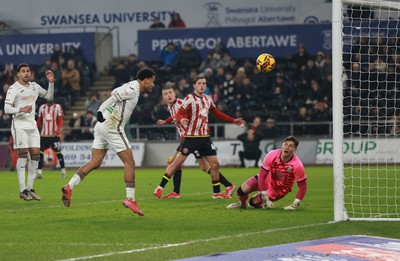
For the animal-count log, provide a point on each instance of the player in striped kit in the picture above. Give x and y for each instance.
(50, 121)
(20, 101)
(193, 117)
(279, 171)
(109, 133)
(174, 104)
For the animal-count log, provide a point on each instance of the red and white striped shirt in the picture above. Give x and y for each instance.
(50, 119)
(173, 109)
(197, 109)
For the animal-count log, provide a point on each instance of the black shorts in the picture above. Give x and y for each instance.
(179, 149)
(50, 142)
(200, 147)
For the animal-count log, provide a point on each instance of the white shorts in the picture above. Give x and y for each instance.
(109, 139)
(24, 139)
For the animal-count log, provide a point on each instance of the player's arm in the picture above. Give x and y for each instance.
(180, 117)
(299, 196)
(49, 93)
(167, 120)
(107, 103)
(9, 105)
(222, 116)
(39, 122)
(60, 123)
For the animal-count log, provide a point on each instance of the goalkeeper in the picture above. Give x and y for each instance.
(278, 172)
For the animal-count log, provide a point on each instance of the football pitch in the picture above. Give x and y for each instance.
(96, 226)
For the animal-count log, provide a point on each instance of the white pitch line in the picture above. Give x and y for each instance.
(192, 242)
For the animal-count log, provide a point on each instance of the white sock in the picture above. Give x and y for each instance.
(39, 172)
(75, 180)
(130, 193)
(63, 171)
(21, 167)
(32, 169)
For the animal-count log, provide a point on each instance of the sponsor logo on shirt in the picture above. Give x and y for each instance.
(28, 97)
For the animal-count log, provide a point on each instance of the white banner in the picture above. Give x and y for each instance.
(361, 151)
(129, 16)
(79, 153)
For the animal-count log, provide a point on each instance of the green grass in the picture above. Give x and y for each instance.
(98, 224)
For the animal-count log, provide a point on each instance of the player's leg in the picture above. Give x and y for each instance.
(20, 144)
(177, 178)
(21, 169)
(214, 173)
(32, 170)
(243, 192)
(126, 157)
(56, 146)
(205, 166)
(170, 171)
(94, 163)
(44, 144)
(206, 148)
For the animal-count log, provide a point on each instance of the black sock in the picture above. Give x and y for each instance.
(177, 181)
(61, 160)
(222, 179)
(164, 180)
(216, 186)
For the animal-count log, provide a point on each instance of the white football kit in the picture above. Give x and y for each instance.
(117, 111)
(23, 128)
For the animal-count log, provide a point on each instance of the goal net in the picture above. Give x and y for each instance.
(366, 40)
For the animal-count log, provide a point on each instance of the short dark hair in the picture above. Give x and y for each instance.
(292, 138)
(198, 77)
(23, 65)
(145, 73)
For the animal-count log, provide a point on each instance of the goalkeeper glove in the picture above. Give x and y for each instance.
(294, 205)
(266, 203)
(100, 117)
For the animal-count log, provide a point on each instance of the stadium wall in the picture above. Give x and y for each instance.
(310, 151)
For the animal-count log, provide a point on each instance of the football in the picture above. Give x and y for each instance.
(265, 62)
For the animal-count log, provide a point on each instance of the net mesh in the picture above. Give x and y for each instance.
(371, 108)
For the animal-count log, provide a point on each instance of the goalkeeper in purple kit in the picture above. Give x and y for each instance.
(279, 171)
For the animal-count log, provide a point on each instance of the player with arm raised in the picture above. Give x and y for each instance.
(280, 169)
(109, 133)
(20, 102)
(50, 121)
(174, 104)
(193, 116)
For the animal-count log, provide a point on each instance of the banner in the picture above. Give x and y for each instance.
(125, 18)
(36, 48)
(241, 42)
(361, 151)
(79, 153)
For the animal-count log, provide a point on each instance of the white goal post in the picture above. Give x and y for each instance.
(366, 109)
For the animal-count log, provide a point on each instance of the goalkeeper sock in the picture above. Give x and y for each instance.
(242, 196)
(256, 201)
(177, 181)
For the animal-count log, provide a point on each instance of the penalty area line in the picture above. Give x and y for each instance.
(192, 242)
